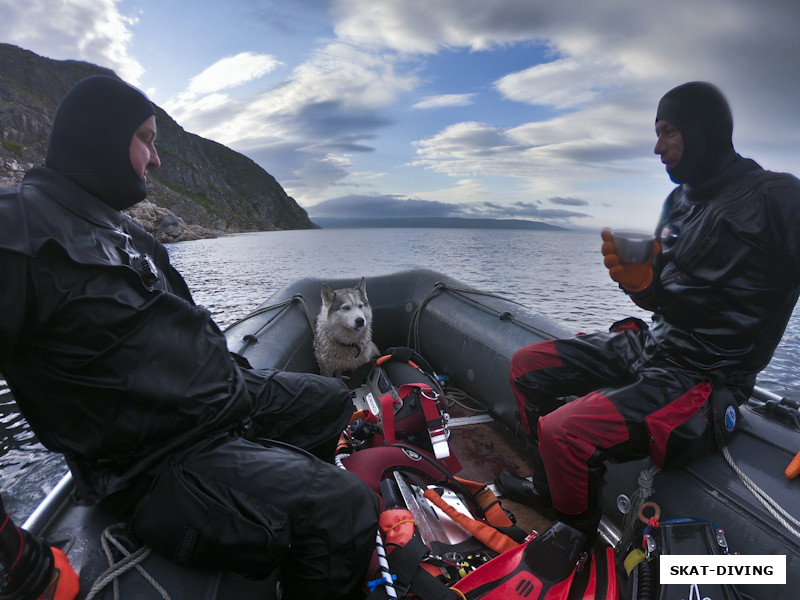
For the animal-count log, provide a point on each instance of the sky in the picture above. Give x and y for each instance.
(527, 109)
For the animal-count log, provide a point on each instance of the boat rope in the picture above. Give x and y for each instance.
(465, 294)
(464, 400)
(383, 562)
(783, 517)
(130, 560)
(260, 310)
(253, 337)
(636, 501)
(413, 331)
(454, 395)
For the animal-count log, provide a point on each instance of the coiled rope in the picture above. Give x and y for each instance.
(464, 400)
(645, 481)
(130, 560)
(637, 499)
(783, 517)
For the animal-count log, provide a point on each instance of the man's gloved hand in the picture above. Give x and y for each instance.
(634, 277)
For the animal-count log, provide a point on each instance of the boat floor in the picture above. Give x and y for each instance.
(484, 449)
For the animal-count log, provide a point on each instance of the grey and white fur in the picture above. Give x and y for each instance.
(343, 337)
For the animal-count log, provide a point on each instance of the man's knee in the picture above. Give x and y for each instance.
(559, 436)
(542, 355)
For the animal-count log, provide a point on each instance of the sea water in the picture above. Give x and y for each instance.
(558, 274)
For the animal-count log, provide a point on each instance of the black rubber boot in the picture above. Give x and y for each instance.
(536, 493)
(587, 521)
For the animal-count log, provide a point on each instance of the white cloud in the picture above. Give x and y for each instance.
(576, 154)
(444, 101)
(333, 95)
(422, 26)
(563, 83)
(462, 190)
(348, 75)
(232, 71)
(464, 149)
(91, 30)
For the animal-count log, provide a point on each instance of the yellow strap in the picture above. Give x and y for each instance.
(633, 559)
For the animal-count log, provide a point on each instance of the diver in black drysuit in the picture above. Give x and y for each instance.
(114, 366)
(722, 284)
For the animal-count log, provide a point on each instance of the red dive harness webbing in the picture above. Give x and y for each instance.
(433, 417)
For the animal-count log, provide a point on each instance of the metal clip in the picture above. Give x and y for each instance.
(721, 540)
(649, 546)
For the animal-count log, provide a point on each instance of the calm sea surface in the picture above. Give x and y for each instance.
(556, 274)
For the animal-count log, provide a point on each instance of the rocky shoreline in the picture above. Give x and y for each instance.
(165, 225)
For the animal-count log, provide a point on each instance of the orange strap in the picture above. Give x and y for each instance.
(386, 357)
(489, 503)
(488, 536)
(793, 469)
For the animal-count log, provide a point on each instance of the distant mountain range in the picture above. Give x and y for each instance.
(433, 222)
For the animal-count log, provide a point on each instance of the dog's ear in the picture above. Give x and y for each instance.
(328, 295)
(362, 287)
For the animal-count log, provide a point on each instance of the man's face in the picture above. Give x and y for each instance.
(143, 153)
(669, 145)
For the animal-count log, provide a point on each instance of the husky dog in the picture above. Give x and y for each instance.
(343, 338)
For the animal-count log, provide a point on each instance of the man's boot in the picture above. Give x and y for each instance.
(588, 521)
(534, 493)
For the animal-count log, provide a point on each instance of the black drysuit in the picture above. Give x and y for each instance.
(724, 288)
(113, 365)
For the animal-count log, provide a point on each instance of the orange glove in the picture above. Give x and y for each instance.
(634, 277)
(64, 584)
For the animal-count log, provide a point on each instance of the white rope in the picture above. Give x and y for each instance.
(464, 400)
(645, 481)
(129, 561)
(383, 564)
(637, 499)
(771, 505)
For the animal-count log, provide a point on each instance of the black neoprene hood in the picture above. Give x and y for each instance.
(702, 115)
(91, 136)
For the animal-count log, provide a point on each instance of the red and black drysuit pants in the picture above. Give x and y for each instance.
(628, 407)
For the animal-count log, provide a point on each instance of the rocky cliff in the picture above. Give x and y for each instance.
(202, 187)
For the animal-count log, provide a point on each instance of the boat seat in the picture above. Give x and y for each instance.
(80, 532)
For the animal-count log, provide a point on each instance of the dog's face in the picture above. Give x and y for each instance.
(348, 306)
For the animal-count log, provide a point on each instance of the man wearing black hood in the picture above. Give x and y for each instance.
(114, 365)
(722, 283)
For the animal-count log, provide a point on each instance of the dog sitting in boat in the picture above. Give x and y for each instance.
(343, 337)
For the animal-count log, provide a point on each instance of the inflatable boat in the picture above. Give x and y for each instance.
(468, 337)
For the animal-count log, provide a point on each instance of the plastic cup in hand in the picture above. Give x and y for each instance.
(633, 246)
